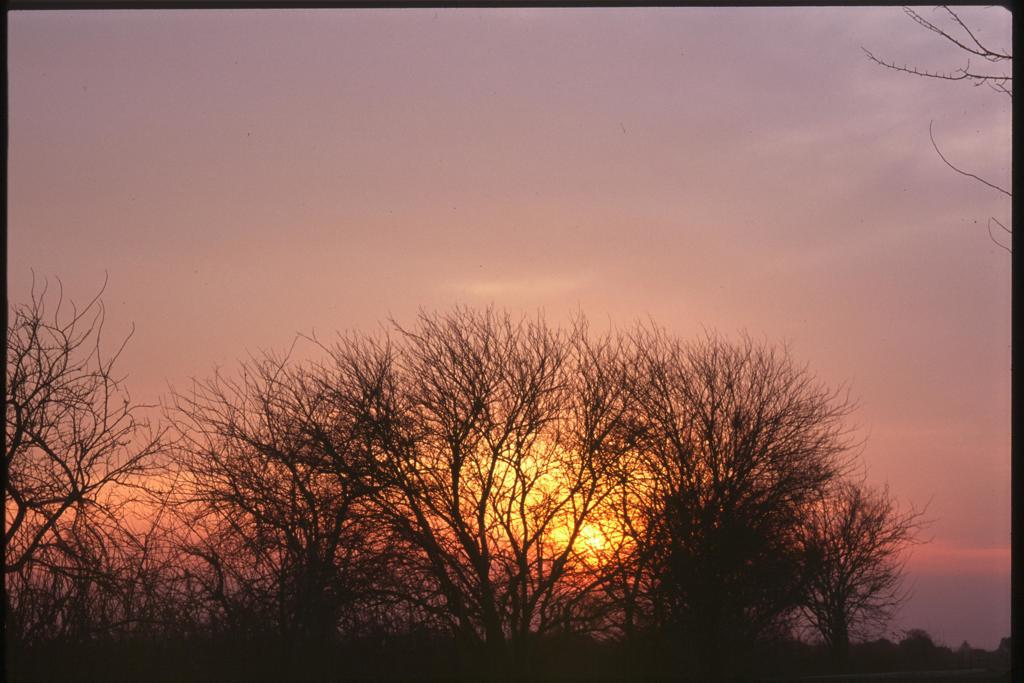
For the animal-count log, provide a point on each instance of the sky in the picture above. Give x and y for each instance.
(241, 176)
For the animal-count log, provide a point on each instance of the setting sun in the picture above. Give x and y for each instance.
(593, 542)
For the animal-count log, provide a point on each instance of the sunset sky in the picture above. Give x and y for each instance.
(242, 176)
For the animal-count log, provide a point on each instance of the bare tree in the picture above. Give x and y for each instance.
(737, 440)
(76, 456)
(269, 502)
(492, 439)
(997, 75)
(854, 541)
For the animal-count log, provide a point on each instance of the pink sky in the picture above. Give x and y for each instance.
(246, 175)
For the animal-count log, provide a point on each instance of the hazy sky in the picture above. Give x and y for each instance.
(246, 175)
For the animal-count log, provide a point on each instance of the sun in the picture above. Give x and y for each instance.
(592, 538)
(591, 543)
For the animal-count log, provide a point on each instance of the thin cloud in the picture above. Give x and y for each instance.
(524, 287)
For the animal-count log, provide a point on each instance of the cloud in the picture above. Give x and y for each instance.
(521, 287)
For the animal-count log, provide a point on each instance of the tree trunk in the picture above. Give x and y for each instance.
(840, 646)
(494, 648)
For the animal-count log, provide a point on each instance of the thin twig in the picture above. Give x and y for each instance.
(960, 171)
(992, 237)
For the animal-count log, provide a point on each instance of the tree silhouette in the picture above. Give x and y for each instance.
(738, 439)
(269, 502)
(491, 438)
(854, 541)
(76, 451)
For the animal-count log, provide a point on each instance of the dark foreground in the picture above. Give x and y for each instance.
(909, 676)
(432, 658)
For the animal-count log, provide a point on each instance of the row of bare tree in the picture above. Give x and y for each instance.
(494, 479)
